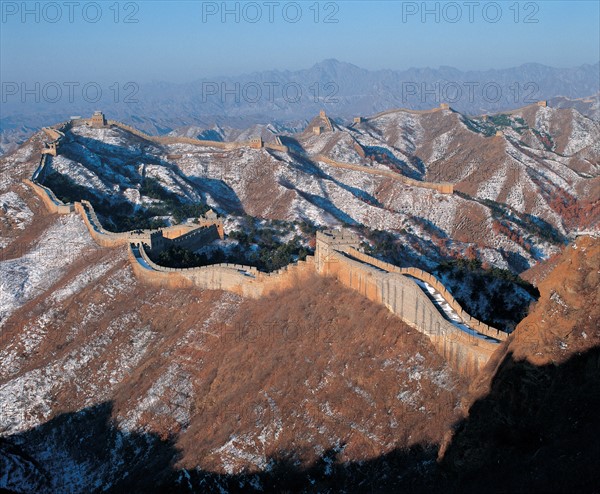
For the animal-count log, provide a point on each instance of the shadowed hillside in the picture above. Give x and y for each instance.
(105, 379)
(534, 425)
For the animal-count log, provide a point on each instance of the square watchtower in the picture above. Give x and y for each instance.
(330, 241)
(98, 120)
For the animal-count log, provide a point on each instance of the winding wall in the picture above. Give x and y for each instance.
(443, 188)
(467, 350)
(57, 134)
(52, 203)
(183, 234)
(336, 255)
(419, 274)
(246, 281)
(180, 140)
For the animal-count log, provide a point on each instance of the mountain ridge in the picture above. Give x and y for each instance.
(342, 88)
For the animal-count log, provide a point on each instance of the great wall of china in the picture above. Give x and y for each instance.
(409, 293)
(442, 188)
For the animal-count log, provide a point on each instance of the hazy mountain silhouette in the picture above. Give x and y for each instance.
(344, 89)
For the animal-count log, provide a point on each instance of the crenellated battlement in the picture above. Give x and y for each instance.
(466, 345)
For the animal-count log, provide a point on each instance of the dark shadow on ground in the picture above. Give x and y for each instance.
(536, 431)
(84, 451)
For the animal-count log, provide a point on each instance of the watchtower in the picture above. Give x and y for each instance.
(98, 120)
(158, 242)
(50, 148)
(256, 142)
(542, 103)
(358, 120)
(330, 241)
(210, 218)
(444, 106)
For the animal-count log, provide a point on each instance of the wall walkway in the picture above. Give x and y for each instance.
(443, 188)
(467, 345)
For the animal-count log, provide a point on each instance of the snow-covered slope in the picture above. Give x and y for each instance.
(106, 383)
(438, 145)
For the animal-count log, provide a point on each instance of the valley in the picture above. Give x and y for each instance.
(371, 358)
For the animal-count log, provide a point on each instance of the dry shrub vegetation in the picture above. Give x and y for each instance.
(312, 369)
(316, 367)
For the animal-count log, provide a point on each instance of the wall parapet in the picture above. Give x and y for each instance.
(429, 278)
(277, 147)
(441, 187)
(246, 281)
(466, 351)
(230, 145)
(40, 172)
(188, 235)
(52, 203)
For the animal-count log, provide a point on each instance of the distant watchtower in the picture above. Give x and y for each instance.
(50, 148)
(256, 142)
(444, 106)
(210, 218)
(542, 103)
(98, 120)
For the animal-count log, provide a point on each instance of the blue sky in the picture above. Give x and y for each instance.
(182, 41)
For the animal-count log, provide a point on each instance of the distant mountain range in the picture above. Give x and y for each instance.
(291, 97)
(524, 181)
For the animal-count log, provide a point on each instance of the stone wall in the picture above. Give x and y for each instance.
(443, 188)
(42, 170)
(383, 283)
(277, 146)
(419, 274)
(244, 280)
(52, 203)
(56, 135)
(196, 238)
(53, 133)
(103, 237)
(189, 236)
(329, 242)
(252, 143)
